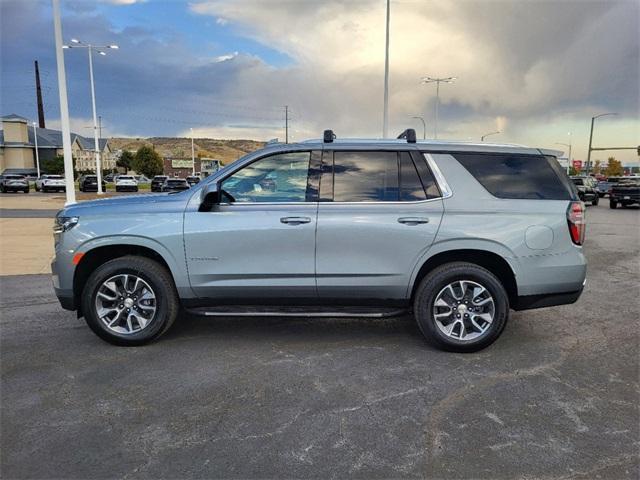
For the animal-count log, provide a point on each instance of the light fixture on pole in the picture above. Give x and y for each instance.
(64, 106)
(438, 81)
(99, 48)
(424, 125)
(385, 113)
(193, 157)
(487, 134)
(591, 138)
(35, 141)
(569, 155)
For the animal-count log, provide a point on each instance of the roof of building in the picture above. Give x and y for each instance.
(48, 138)
(12, 117)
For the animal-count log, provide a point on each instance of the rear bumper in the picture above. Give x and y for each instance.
(126, 188)
(16, 188)
(529, 302)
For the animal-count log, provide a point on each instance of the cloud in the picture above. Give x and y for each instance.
(533, 70)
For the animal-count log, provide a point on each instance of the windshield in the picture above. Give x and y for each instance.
(578, 181)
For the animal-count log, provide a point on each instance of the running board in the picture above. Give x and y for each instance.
(315, 312)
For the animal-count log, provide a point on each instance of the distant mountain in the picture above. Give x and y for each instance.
(225, 150)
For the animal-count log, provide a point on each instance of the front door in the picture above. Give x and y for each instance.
(379, 213)
(259, 243)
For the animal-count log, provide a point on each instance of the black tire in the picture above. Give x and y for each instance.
(158, 278)
(595, 201)
(26, 190)
(613, 204)
(436, 281)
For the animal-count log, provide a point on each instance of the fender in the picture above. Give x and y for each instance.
(449, 246)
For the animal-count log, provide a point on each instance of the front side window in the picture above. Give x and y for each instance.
(277, 178)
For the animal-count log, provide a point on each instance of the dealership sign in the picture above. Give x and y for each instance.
(181, 163)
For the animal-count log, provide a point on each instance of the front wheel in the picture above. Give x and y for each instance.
(130, 301)
(461, 307)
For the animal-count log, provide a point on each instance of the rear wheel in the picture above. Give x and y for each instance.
(130, 301)
(461, 307)
(613, 204)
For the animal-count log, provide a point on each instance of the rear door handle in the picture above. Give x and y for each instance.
(413, 220)
(295, 220)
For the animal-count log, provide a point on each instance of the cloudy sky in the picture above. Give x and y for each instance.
(535, 70)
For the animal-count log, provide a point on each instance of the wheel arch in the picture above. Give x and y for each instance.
(94, 257)
(488, 259)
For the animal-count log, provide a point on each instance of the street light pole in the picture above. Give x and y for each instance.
(487, 134)
(95, 123)
(79, 44)
(193, 157)
(437, 81)
(385, 114)
(64, 106)
(591, 139)
(35, 139)
(424, 126)
(569, 156)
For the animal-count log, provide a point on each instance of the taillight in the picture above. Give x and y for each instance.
(576, 221)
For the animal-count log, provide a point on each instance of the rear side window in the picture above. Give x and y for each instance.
(365, 177)
(516, 176)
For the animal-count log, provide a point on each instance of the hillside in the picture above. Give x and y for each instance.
(225, 150)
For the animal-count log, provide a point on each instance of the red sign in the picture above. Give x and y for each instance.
(577, 164)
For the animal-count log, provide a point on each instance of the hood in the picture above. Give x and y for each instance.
(129, 205)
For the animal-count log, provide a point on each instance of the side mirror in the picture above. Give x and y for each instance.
(209, 197)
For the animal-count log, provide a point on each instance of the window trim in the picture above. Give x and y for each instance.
(377, 202)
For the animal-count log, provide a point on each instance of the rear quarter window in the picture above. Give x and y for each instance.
(530, 177)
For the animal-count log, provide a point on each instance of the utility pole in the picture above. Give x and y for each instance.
(591, 139)
(286, 124)
(100, 126)
(39, 98)
(35, 140)
(64, 106)
(385, 113)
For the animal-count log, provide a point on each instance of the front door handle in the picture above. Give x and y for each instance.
(295, 220)
(413, 220)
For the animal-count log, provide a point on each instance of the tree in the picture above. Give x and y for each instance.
(614, 168)
(597, 167)
(53, 166)
(573, 171)
(147, 162)
(126, 160)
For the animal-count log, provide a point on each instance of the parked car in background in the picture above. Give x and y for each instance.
(89, 183)
(587, 190)
(603, 187)
(458, 234)
(175, 185)
(626, 192)
(142, 179)
(157, 182)
(193, 180)
(109, 177)
(13, 183)
(50, 183)
(126, 183)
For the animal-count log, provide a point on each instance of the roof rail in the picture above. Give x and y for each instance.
(409, 134)
(328, 136)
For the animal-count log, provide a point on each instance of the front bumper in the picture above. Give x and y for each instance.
(126, 188)
(65, 295)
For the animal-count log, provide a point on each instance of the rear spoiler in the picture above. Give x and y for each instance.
(553, 153)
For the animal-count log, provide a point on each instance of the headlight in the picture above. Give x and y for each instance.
(62, 224)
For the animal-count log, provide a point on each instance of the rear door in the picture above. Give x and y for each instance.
(379, 212)
(259, 243)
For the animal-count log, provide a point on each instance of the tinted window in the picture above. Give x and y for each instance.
(515, 176)
(411, 189)
(277, 178)
(578, 181)
(365, 177)
(428, 182)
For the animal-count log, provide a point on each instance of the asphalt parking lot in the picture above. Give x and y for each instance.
(556, 397)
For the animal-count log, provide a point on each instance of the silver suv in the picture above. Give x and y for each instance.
(458, 233)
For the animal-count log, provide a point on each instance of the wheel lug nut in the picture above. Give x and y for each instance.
(128, 310)
(121, 306)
